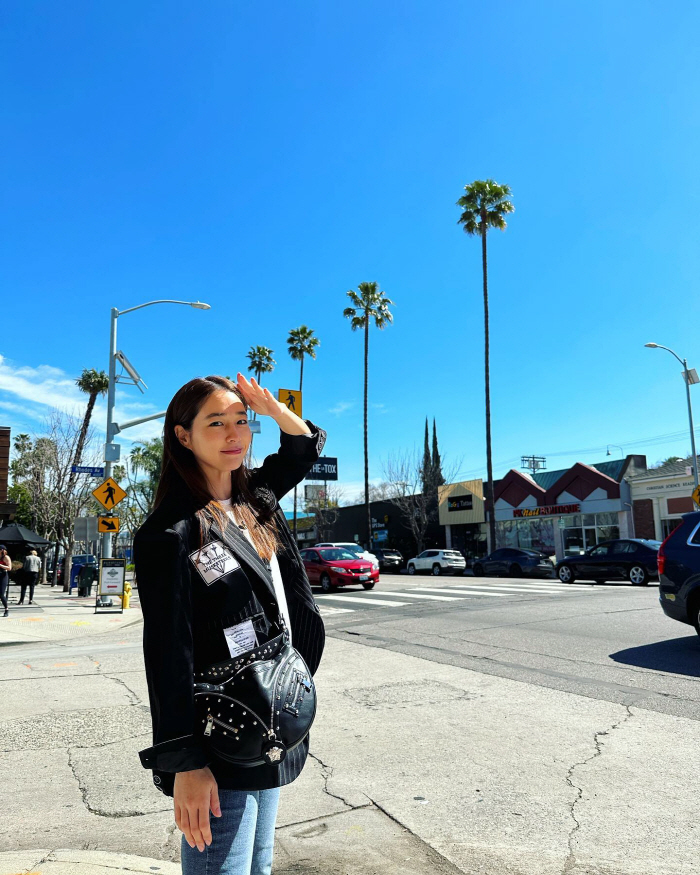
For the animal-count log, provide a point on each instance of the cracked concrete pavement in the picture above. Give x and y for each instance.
(415, 767)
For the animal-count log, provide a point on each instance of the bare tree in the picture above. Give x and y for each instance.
(404, 478)
(43, 466)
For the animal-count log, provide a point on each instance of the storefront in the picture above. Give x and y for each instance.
(565, 512)
(660, 497)
(461, 513)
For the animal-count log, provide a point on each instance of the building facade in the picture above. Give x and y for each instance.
(564, 512)
(461, 514)
(660, 496)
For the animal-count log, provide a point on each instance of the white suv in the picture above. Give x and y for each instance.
(438, 562)
(354, 548)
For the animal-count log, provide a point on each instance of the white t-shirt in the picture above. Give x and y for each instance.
(274, 568)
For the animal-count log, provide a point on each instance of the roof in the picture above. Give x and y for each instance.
(670, 469)
(547, 479)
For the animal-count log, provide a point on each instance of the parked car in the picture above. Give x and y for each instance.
(438, 562)
(329, 567)
(679, 572)
(355, 548)
(514, 562)
(632, 559)
(389, 560)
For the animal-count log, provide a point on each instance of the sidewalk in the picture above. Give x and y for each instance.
(58, 615)
(416, 767)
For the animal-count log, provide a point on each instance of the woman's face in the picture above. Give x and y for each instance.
(220, 435)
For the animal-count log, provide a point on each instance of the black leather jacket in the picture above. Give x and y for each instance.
(185, 613)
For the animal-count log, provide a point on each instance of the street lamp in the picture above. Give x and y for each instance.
(617, 447)
(112, 451)
(690, 376)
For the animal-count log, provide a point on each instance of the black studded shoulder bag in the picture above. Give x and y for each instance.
(256, 706)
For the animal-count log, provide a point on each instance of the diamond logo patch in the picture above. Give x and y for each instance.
(213, 561)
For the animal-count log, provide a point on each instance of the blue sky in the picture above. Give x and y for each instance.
(266, 158)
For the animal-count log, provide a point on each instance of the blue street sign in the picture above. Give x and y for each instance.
(85, 469)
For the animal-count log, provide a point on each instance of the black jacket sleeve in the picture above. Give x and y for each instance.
(162, 578)
(283, 470)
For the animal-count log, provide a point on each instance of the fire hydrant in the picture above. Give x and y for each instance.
(127, 595)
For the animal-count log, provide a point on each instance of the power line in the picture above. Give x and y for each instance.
(654, 440)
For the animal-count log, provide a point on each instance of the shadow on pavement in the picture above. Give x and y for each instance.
(677, 655)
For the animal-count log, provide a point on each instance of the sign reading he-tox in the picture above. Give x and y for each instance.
(326, 468)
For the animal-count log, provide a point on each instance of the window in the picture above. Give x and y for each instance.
(694, 539)
(626, 547)
(601, 550)
(499, 554)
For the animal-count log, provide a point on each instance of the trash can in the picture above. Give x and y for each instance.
(75, 570)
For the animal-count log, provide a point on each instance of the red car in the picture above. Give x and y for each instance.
(329, 567)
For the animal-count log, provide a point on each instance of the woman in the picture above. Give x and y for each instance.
(5, 566)
(209, 500)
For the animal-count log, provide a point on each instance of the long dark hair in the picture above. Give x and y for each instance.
(180, 470)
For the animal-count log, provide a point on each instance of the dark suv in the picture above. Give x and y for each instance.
(632, 559)
(679, 572)
(389, 560)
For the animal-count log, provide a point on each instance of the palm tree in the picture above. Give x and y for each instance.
(301, 342)
(93, 383)
(261, 362)
(484, 203)
(369, 304)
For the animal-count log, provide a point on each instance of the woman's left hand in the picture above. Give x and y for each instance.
(258, 398)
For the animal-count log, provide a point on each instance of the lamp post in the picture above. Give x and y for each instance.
(112, 450)
(689, 377)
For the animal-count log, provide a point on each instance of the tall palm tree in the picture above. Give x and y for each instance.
(301, 342)
(484, 204)
(261, 362)
(369, 304)
(92, 383)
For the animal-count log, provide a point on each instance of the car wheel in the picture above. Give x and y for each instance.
(437, 571)
(478, 570)
(411, 569)
(694, 612)
(566, 574)
(638, 575)
(368, 585)
(326, 585)
(515, 571)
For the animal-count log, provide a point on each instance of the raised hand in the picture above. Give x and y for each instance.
(258, 398)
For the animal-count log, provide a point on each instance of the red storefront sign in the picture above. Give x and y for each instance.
(547, 510)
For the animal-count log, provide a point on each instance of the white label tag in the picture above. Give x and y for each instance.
(213, 561)
(241, 638)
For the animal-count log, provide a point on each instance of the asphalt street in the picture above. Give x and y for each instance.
(475, 725)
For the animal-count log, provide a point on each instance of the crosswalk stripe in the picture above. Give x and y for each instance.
(498, 595)
(329, 609)
(523, 587)
(439, 598)
(361, 601)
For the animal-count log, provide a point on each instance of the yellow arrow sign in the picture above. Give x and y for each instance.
(696, 496)
(291, 398)
(108, 524)
(109, 493)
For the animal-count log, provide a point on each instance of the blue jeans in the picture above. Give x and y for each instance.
(242, 839)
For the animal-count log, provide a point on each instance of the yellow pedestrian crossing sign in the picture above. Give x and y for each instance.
(108, 524)
(291, 398)
(109, 493)
(696, 495)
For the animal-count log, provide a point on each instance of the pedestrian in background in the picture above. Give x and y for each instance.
(5, 566)
(30, 573)
(217, 542)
